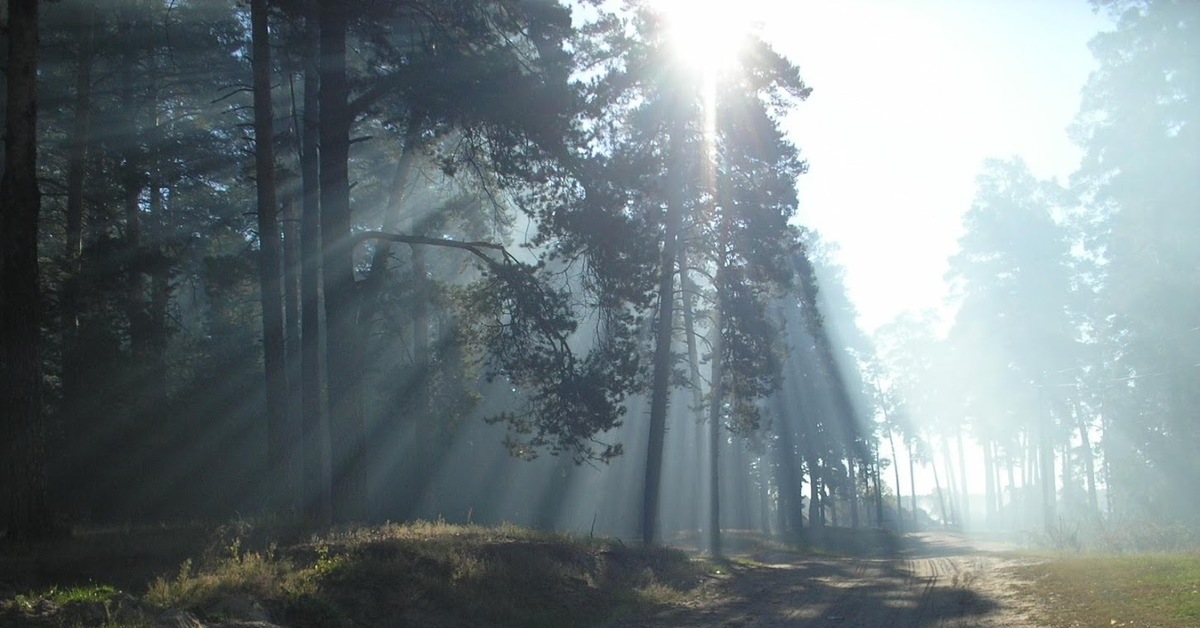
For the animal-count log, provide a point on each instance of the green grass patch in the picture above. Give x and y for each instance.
(1139, 590)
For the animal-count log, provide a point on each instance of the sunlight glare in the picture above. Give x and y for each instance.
(707, 34)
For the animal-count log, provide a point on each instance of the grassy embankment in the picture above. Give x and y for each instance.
(430, 574)
(1133, 590)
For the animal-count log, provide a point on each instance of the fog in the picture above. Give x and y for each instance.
(583, 273)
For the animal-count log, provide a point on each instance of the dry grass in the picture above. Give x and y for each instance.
(1143, 590)
(426, 573)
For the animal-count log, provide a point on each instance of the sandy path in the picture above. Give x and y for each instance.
(938, 581)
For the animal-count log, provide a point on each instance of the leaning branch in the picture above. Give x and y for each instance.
(475, 248)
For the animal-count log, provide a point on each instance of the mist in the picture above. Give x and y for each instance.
(609, 271)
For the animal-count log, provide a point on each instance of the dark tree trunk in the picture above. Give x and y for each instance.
(814, 493)
(269, 275)
(314, 427)
(22, 432)
(133, 182)
(341, 303)
(292, 347)
(852, 478)
(661, 382)
(314, 424)
(791, 499)
(71, 303)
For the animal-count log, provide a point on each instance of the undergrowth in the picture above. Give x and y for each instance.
(425, 573)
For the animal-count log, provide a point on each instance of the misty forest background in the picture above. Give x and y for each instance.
(518, 261)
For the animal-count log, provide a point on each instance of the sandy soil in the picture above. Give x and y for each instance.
(937, 580)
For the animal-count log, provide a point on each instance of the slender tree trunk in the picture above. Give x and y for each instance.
(715, 433)
(1046, 460)
(71, 302)
(912, 483)
(814, 493)
(896, 470)
(965, 515)
(878, 473)
(791, 499)
(22, 431)
(989, 497)
(688, 288)
(71, 305)
(269, 272)
(764, 496)
(292, 349)
(392, 219)
(347, 430)
(156, 265)
(1089, 463)
(661, 378)
(937, 484)
(1105, 426)
(1012, 490)
(1068, 488)
(314, 420)
(853, 479)
(951, 487)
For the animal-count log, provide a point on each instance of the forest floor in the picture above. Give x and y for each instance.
(432, 574)
(931, 580)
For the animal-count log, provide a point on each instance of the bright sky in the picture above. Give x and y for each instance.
(909, 97)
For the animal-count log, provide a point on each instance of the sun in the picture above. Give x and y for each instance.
(708, 35)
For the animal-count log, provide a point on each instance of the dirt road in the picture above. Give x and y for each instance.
(936, 580)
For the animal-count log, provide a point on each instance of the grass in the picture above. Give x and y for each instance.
(427, 573)
(1137, 590)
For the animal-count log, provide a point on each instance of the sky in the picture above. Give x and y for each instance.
(909, 97)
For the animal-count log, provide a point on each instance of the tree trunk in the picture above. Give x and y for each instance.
(878, 474)
(912, 483)
(715, 405)
(1046, 460)
(71, 301)
(661, 378)
(292, 347)
(951, 488)
(965, 514)
(281, 496)
(71, 304)
(314, 424)
(1014, 521)
(937, 484)
(852, 477)
(896, 470)
(688, 288)
(22, 431)
(814, 493)
(343, 370)
(989, 497)
(791, 500)
(1089, 463)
